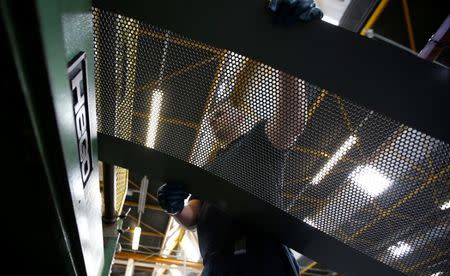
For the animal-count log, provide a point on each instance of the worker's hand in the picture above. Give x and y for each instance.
(171, 198)
(290, 11)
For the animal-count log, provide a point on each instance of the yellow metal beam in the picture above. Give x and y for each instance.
(412, 42)
(150, 86)
(344, 113)
(147, 206)
(311, 151)
(243, 82)
(180, 41)
(156, 259)
(146, 225)
(317, 103)
(373, 18)
(209, 99)
(311, 265)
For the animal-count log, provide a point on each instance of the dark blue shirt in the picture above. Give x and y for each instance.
(254, 164)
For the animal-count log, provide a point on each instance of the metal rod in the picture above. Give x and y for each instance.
(139, 219)
(374, 17)
(372, 34)
(147, 206)
(437, 42)
(412, 42)
(109, 176)
(311, 265)
(154, 265)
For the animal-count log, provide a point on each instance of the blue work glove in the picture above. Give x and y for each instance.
(171, 198)
(290, 11)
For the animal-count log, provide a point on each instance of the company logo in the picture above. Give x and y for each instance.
(78, 85)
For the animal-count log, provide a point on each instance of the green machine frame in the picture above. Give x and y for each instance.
(42, 39)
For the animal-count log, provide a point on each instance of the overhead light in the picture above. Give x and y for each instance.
(437, 273)
(370, 180)
(445, 206)
(330, 20)
(130, 268)
(142, 195)
(400, 249)
(154, 118)
(334, 159)
(136, 238)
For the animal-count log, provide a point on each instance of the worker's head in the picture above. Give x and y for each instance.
(226, 120)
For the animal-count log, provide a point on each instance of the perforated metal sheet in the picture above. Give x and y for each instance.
(372, 183)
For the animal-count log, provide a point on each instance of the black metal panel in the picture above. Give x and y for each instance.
(241, 204)
(38, 190)
(377, 76)
(357, 13)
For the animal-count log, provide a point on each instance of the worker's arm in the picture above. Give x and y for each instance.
(289, 119)
(188, 216)
(171, 198)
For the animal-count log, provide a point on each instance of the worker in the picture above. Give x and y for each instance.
(255, 157)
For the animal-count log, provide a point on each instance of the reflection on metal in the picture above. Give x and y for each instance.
(401, 249)
(370, 180)
(125, 79)
(154, 118)
(203, 144)
(445, 206)
(344, 210)
(168, 120)
(154, 84)
(179, 41)
(317, 103)
(348, 144)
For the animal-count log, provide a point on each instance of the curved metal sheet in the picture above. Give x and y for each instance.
(241, 204)
(156, 88)
(372, 74)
